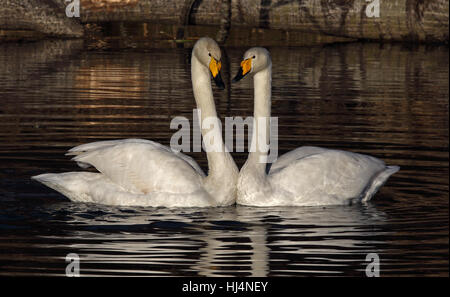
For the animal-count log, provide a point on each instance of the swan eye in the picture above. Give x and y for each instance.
(209, 54)
(253, 57)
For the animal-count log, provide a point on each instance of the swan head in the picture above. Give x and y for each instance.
(208, 53)
(254, 60)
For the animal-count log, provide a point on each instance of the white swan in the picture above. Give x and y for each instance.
(306, 175)
(145, 173)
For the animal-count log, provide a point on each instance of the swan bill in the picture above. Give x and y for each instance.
(214, 67)
(245, 68)
(219, 82)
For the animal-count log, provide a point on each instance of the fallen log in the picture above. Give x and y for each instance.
(382, 20)
(390, 20)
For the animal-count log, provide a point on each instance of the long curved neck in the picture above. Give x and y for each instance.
(203, 94)
(222, 171)
(257, 158)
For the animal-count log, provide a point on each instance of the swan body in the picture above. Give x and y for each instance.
(141, 172)
(308, 175)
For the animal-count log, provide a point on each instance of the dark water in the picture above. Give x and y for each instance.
(389, 101)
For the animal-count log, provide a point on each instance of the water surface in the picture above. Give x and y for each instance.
(389, 101)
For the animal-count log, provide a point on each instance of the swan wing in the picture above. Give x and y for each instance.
(83, 148)
(326, 176)
(141, 166)
(294, 155)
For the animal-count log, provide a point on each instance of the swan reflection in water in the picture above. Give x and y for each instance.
(228, 241)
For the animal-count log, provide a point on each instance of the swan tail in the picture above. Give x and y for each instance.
(378, 182)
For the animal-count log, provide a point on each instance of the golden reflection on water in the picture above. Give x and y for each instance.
(103, 81)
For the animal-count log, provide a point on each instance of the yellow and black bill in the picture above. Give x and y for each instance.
(214, 67)
(245, 68)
